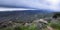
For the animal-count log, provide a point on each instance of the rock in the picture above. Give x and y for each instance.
(41, 24)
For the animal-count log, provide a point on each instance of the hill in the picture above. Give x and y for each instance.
(23, 16)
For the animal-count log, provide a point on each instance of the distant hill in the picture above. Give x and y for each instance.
(23, 16)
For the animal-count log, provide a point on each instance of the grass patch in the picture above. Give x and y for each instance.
(56, 25)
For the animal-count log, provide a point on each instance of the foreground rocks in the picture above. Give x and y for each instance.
(40, 24)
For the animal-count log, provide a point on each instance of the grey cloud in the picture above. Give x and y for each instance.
(38, 4)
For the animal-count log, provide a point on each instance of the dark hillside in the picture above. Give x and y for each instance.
(23, 16)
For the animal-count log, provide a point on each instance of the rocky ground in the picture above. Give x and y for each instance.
(41, 24)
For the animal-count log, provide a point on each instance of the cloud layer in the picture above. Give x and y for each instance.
(53, 5)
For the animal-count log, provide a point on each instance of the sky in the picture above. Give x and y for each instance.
(53, 5)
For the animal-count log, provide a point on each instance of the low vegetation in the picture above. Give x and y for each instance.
(21, 27)
(55, 26)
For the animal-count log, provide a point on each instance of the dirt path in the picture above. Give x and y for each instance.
(49, 28)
